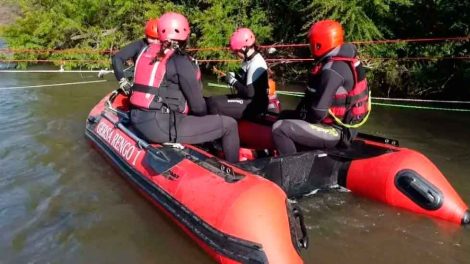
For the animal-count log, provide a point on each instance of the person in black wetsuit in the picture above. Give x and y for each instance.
(251, 83)
(175, 110)
(336, 100)
(132, 52)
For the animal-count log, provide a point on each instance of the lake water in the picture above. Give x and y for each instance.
(61, 202)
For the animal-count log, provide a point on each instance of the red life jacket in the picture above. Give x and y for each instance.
(146, 66)
(350, 109)
(150, 90)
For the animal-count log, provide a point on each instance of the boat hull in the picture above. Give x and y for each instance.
(373, 167)
(235, 216)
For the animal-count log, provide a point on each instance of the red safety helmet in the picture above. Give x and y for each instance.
(173, 26)
(324, 36)
(151, 29)
(242, 37)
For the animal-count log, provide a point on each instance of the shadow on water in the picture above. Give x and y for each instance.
(61, 202)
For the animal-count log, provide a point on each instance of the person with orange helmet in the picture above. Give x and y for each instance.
(174, 109)
(142, 51)
(337, 98)
(251, 83)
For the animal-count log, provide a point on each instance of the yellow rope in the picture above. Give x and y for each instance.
(369, 107)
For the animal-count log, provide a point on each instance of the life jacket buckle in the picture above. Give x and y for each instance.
(165, 110)
(174, 145)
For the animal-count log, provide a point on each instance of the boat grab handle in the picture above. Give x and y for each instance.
(303, 241)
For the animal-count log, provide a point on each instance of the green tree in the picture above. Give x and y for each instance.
(91, 25)
(437, 78)
(220, 18)
(361, 19)
(95, 25)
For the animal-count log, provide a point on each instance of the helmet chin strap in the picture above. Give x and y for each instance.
(175, 45)
(245, 52)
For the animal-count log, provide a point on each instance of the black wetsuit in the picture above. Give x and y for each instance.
(130, 51)
(304, 126)
(252, 92)
(192, 128)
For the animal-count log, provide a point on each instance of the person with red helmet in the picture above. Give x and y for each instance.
(251, 83)
(337, 98)
(147, 47)
(174, 110)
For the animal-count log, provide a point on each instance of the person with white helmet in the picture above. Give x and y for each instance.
(251, 83)
(174, 110)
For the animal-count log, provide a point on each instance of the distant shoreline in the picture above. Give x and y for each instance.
(8, 15)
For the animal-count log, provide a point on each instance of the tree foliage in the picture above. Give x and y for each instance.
(110, 24)
(213, 33)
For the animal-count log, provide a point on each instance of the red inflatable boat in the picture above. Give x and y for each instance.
(234, 215)
(239, 213)
(372, 166)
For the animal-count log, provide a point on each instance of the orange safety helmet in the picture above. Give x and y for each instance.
(151, 30)
(324, 36)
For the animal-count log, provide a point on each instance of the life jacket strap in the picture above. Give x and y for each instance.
(364, 120)
(144, 89)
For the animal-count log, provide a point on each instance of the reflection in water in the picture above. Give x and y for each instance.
(60, 201)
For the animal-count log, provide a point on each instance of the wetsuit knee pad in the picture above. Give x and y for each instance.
(325, 131)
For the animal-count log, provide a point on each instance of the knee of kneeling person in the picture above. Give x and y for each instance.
(276, 125)
(229, 122)
(279, 127)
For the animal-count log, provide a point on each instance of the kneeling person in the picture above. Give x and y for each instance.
(336, 100)
(251, 84)
(173, 109)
